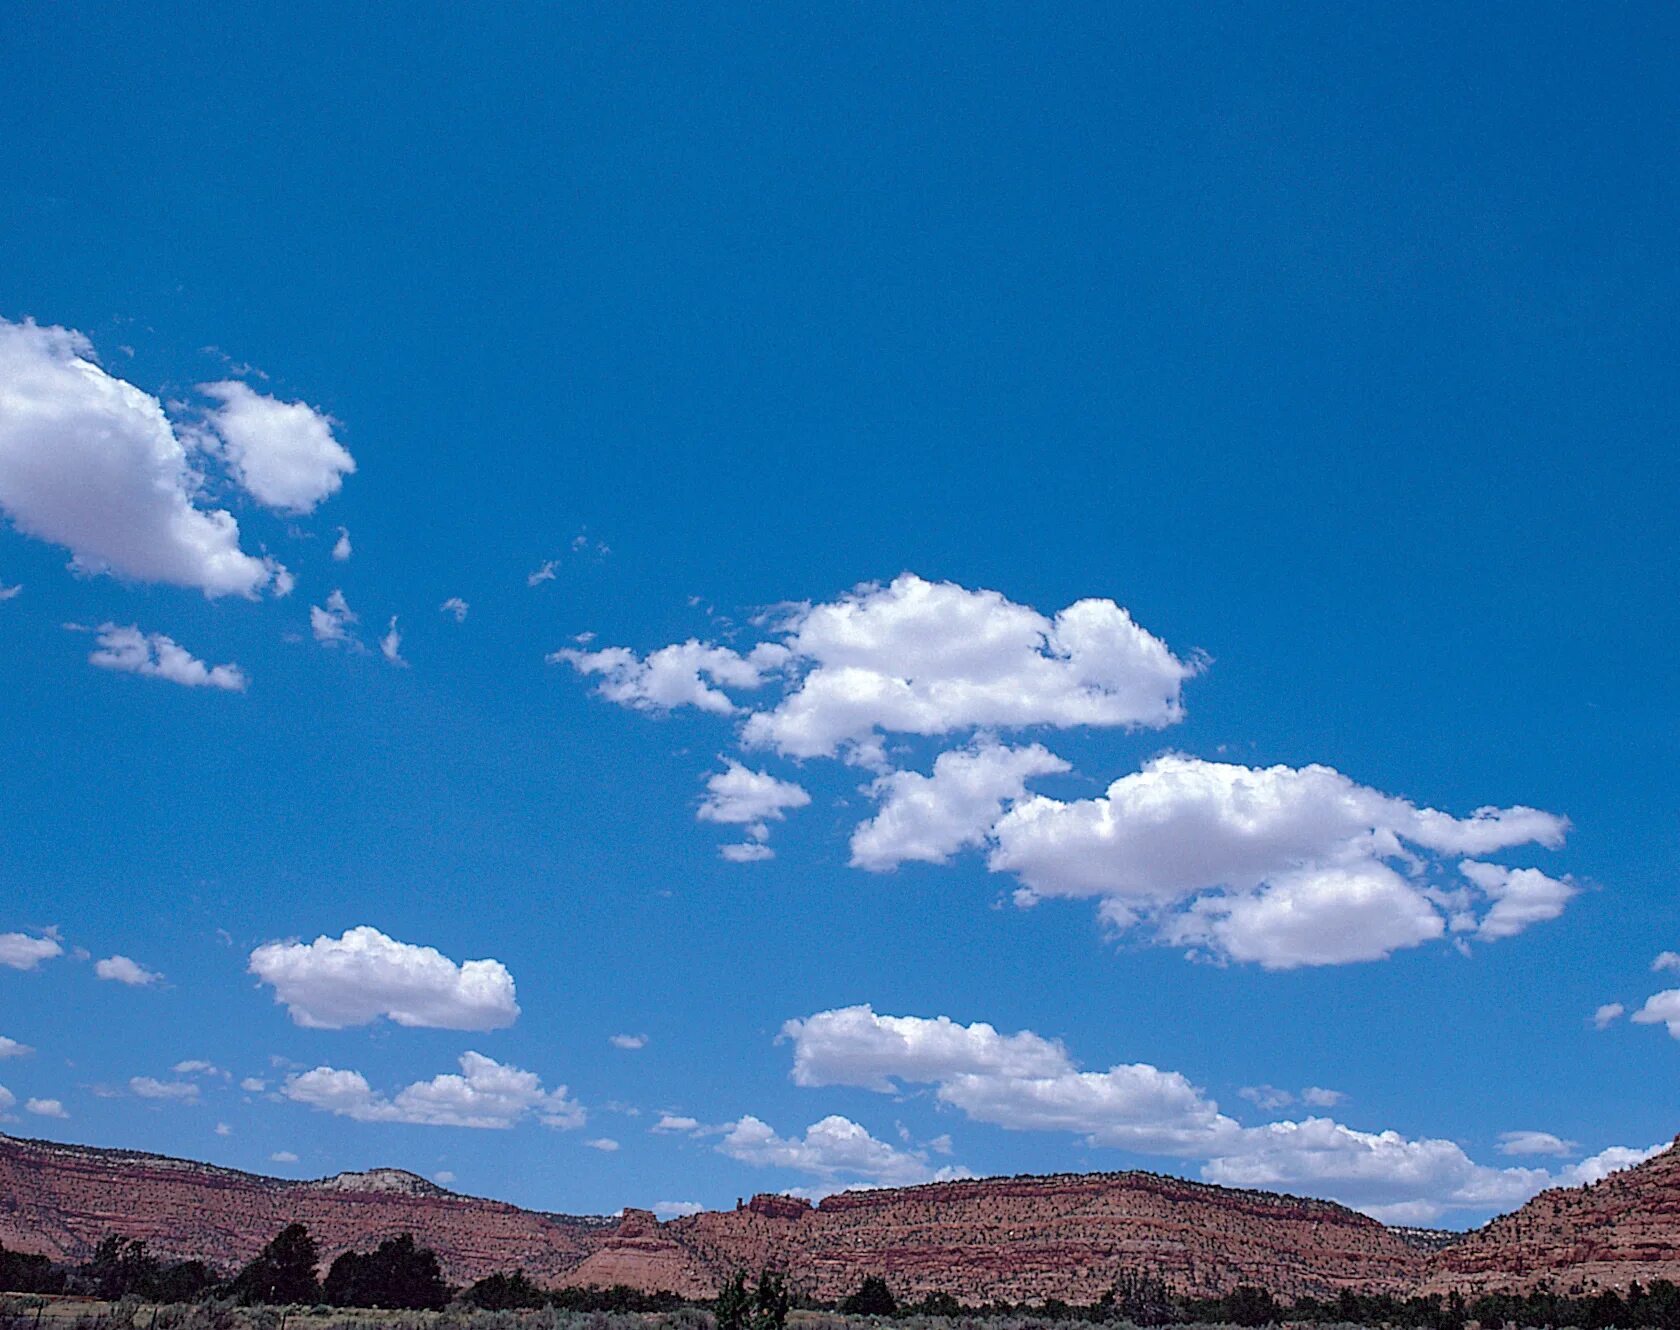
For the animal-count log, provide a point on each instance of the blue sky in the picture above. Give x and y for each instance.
(1335, 349)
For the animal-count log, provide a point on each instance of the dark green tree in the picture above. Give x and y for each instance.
(1250, 1306)
(502, 1292)
(1139, 1297)
(765, 1307)
(873, 1298)
(769, 1303)
(22, 1273)
(283, 1272)
(397, 1275)
(119, 1267)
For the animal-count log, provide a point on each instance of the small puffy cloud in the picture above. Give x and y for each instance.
(283, 454)
(390, 646)
(122, 970)
(45, 1108)
(444, 1176)
(149, 1087)
(91, 463)
(738, 796)
(7, 1099)
(929, 818)
(1595, 1168)
(1606, 1015)
(456, 608)
(1666, 960)
(671, 1122)
(605, 1144)
(1521, 896)
(283, 1157)
(746, 852)
(676, 1209)
(628, 1041)
(1267, 1098)
(342, 548)
(333, 622)
(486, 1094)
(196, 1067)
(253, 1085)
(543, 573)
(1535, 1143)
(930, 658)
(854, 1046)
(1319, 1097)
(1661, 1009)
(222, 1129)
(10, 1048)
(1281, 866)
(687, 674)
(355, 979)
(9, 592)
(20, 951)
(155, 656)
(835, 1149)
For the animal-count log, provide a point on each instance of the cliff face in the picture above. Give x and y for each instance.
(1576, 1239)
(60, 1200)
(1065, 1237)
(1018, 1239)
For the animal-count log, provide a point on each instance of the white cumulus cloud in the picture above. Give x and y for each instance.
(456, 608)
(630, 1042)
(676, 1209)
(929, 818)
(130, 651)
(122, 970)
(1282, 866)
(1024, 1082)
(931, 658)
(835, 1149)
(687, 674)
(11, 1048)
(1661, 1009)
(355, 979)
(1606, 1015)
(342, 548)
(283, 454)
(486, 1094)
(45, 1108)
(20, 951)
(92, 463)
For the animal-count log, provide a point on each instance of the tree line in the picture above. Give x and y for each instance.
(399, 1274)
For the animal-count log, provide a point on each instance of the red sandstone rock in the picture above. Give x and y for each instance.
(1023, 1238)
(1576, 1239)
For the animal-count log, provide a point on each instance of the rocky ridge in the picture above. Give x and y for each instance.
(1024, 1238)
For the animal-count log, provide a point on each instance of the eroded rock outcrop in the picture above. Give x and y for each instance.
(1019, 1239)
(60, 1200)
(1576, 1239)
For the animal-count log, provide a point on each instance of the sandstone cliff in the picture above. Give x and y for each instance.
(59, 1200)
(1015, 1239)
(1576, 1239)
